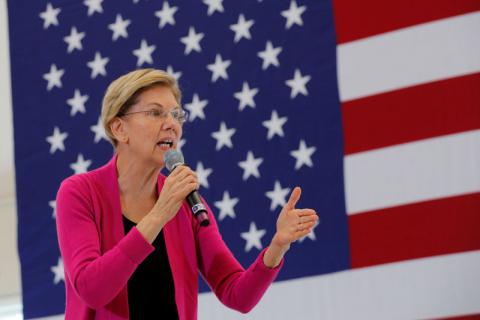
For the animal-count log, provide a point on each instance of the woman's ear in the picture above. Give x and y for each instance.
(118, 130)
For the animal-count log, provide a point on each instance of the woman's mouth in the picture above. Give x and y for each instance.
(165, 144)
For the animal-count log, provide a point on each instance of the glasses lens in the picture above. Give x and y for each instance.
(180, 115)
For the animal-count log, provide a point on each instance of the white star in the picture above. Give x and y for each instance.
(81, 166)
(166, 15)
(77, 102)
(202, 174)
(180, 144)
(58, 271)
(119, 28)
(293, 14)
(49, 16)
(226, 206)
(245, 96)
(253, 237)
(270, 55)
(196, 108)
(310, 235)
(250, 166)
(99, 131)
(242, 28)
(54, 77)
(303, 155)
(93, 6)
(298, 84)
(176, 75)
(223, 136)
(219, 68)
(277, 196)
(74, 40)
(192, 41)
(144, 53)
(53, 205)
(98, 65)
(213, 5)
(56, 140)
(274, 125)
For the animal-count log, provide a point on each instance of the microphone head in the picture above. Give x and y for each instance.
(173, 158)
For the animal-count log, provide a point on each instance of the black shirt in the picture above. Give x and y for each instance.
(151, 293)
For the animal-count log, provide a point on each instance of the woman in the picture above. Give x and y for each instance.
(130, 246)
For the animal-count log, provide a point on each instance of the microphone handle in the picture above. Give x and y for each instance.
(198, 208)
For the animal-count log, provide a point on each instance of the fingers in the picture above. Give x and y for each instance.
(307, 219)
(181, 172)
(182, 175)
(302, 233)
(294, 197)
(305, 223)
(186, 189)
(305, 228)
(305, 212)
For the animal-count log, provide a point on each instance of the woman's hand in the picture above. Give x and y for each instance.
(178, 185)
(293, 224)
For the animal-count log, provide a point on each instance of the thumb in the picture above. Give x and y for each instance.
(294, 197)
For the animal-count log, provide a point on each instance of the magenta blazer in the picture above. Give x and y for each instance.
(99, 258)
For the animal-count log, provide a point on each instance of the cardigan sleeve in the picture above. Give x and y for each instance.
(96, 278)
(234, 286)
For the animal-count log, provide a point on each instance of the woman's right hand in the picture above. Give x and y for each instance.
(177, 186)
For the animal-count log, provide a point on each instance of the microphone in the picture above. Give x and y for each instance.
(173, 159)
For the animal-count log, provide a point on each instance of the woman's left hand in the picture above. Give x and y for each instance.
(292, 223)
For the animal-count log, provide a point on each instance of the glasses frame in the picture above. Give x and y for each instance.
(171, 112)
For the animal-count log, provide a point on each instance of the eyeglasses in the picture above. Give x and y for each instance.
(178, 114)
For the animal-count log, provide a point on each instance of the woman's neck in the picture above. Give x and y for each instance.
(136, 178)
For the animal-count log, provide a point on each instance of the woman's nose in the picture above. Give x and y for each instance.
(169, 121)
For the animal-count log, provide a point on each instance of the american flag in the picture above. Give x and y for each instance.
(373, 107)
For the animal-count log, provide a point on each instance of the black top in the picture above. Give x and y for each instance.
(151, 293)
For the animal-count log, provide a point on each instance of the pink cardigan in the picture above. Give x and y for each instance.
(99, 258)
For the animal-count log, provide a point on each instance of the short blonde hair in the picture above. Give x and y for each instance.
(124, 91)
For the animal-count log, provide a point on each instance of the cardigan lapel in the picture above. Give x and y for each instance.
(112, 230)
(113, 194)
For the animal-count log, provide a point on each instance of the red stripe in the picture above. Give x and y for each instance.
(464, 317)
(359, 19)
(414, 113)
(413, 231)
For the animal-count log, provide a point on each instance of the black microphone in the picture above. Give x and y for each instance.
(173, 159)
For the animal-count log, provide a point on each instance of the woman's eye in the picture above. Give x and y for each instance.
(155, 113)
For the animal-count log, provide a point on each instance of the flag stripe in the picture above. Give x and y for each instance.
(411, 56)
(412, 172)
(360, 19)
(441, 226)
(415, 113)
(464, 317)
(415, 289)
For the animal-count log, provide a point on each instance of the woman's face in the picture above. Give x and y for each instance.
(150, 127)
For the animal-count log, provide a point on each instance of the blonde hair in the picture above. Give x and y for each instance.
(124, 91)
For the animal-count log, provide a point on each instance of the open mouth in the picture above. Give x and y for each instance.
(165, 144)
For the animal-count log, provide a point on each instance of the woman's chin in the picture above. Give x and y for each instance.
(159, 158)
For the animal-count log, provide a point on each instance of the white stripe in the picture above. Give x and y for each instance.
(420, 289)
(412, 172)
(423, 53)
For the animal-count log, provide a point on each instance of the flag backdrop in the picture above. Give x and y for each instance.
(372, 107)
